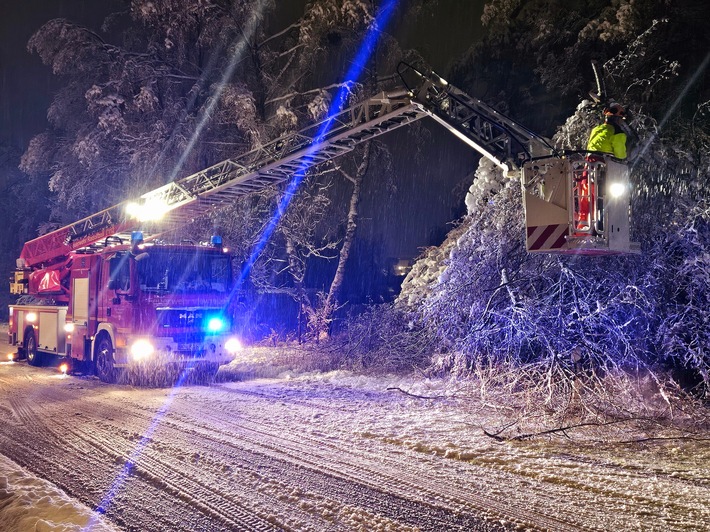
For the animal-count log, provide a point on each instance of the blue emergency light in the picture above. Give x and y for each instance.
(215, 324)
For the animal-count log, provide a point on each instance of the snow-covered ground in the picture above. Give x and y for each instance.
(31, 503)
(333, 451)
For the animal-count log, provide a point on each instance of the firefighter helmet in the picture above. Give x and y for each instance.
(615, 109)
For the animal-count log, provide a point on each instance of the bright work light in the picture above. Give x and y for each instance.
(150, 210)
(617, 190)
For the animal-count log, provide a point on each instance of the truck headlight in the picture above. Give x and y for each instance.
(142, 349)
(233, 346)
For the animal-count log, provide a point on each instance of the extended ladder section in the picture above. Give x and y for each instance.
(189, 198)
(489, 132)
(492, 134)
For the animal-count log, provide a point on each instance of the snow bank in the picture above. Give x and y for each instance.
(30, 503)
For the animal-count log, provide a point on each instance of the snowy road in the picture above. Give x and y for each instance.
(321, 454)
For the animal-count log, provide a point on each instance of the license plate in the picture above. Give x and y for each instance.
(192, 347)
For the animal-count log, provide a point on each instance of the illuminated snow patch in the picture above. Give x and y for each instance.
(31, 503)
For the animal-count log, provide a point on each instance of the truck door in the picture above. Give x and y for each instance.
(117, 300)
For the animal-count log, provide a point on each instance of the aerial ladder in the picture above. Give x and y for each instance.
(561, 216)
(118, 301)
(557, 210)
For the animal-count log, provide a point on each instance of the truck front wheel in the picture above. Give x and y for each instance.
(103, 358)
(33, 357)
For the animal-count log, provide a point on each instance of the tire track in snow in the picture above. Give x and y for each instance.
(216, 505)
(344, 462)
(86, 444)
(389, 497)
(265, 463)
(102, 435)
(263, 452)
(543, 486)
(351, 470)
(127, 410)
(386, 473)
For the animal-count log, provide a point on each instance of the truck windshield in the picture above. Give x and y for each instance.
(184, 271)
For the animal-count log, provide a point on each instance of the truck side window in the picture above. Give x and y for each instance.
(120, 272)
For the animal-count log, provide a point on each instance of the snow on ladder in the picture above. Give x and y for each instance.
(182, 201)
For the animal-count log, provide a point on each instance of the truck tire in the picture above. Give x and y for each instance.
(103, 358)
(33, 357)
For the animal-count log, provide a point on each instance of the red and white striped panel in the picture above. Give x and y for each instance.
(547, 237)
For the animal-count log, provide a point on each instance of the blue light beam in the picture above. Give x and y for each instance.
(354, 72)
(127, 468)
(122, 476)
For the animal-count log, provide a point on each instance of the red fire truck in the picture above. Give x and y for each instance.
(125, 304)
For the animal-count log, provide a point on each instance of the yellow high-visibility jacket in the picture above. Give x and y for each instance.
(604, 138)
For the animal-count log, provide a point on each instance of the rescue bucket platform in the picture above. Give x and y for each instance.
(578, 205)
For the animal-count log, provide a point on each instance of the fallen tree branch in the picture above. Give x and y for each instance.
(415, 395)
(563, 430)
(496, 435)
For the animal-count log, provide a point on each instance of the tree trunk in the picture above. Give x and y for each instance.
(331, 301)
(296, 269)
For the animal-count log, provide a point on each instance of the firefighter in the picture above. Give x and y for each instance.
(610, 136)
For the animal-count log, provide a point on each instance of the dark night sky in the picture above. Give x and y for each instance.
(26, 85)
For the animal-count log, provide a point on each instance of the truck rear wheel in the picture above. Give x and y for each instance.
(103, 358)
(33, 357)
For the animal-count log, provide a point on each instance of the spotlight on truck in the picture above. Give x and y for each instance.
(616, 190)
